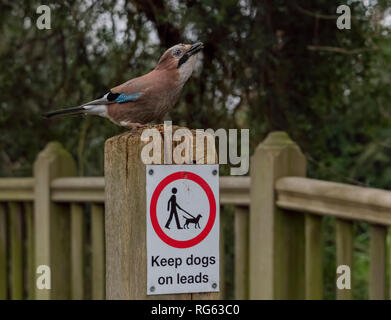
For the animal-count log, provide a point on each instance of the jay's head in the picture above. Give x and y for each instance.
(182, 58)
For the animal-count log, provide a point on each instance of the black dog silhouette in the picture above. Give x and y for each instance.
(195, 220)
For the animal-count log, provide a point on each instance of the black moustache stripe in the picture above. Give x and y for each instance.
(183, 59)
(112, 96)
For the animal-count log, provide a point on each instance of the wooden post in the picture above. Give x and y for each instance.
(77, 251)
(241, 253)
(222, 259)
(3, 253)
(16, 239)
(52, 221)
(98, 251)
(378, 262)
(344, 244)
(313, 257)
(276, 237)
(30, 265)
(125, 220)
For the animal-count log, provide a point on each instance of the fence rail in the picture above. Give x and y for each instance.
(348, 204)
(78, 189)
(233, 190)
(16, 189)
(58, 219)
(75, 192)
(334, 199)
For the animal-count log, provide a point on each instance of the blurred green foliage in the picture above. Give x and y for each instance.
(267, 65)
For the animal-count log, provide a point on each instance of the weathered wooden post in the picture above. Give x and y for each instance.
(3, 252)
(125, 219)
(52, 221)
(241, 277)
(276, 237)
(378, 264)
(344, 255)
(16, 236)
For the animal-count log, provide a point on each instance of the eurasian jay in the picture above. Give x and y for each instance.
(147, 98)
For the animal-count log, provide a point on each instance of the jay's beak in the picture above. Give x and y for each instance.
(194, 49)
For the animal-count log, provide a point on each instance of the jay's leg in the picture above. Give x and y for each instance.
(132, 125)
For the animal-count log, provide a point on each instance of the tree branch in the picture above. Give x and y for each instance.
(318, 15)
(154, 10)
(339, 49)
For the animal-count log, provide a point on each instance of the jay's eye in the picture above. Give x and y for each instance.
(177, 52)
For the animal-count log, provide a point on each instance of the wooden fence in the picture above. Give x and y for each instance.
(57, 219)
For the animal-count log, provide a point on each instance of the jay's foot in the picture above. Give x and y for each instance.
(132, 125)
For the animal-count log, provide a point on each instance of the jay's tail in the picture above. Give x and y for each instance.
(64, 112)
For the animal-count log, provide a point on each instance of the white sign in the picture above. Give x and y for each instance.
(182, 228)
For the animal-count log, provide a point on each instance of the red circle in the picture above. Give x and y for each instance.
(212, 209)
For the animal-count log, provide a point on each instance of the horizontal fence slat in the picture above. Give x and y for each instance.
(78, 195)
(313, 257)
(17, 195)
(344, 243)
(233, 190)
(241, 253)
(377, 279)
(16, 237)
(334, 199)
(3, 253)
(98, 251)
(16, 189)
(77, 258)
(78, 189)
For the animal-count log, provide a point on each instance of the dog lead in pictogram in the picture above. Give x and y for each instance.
(172, 206)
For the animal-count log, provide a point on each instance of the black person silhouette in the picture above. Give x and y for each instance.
(172, 206)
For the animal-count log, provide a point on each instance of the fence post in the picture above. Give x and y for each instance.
(16, 239)
(3, 253)
(276, 237)
(125, 219)
(52, 221)
(241, 276)
(378, 263)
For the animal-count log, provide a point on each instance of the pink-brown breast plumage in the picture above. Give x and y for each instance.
(160, 91)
